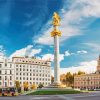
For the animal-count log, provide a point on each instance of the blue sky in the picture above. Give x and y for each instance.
(25, 27)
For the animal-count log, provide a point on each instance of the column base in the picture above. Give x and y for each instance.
(56, 85)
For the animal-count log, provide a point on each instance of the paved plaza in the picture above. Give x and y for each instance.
(84, 96)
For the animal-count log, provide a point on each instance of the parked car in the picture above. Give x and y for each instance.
(4, 91)
(12, 91)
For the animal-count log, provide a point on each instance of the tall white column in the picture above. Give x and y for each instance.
(56, 60)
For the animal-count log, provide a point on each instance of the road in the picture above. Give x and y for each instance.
(84, 96)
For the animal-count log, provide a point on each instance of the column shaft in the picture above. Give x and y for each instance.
(56, 60)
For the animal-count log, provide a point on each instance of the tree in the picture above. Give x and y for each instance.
(17, 84)
(40, 85)
(63, 78)
(25, 85)
(33, 86)
(69, 79)
(80, 73)
(52, 79)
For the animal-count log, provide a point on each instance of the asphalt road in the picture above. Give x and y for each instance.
(84, 96)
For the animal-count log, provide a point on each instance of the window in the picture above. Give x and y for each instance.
(5, 77)
(20, 73)
(10, 78)
(10, 72)
(33, 78)
(0, 65)
(5, 64)
(0, 83)
(16, 73)
(0, 72)
(33, 74)
(10, 83)
(20, 78)
(5, 71)
(33, 70)
(16, 78)
(5, 84)
(0, 77)
(16, 69)
(10, 65)
(20, 69)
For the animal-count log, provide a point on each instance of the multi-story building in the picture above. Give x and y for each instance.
(6, 73)
(88, 81)
(25, 69)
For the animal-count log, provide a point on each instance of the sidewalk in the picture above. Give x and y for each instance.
(27, 92)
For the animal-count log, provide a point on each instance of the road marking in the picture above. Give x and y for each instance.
(91, 95)
(39, 98)
(65, 98)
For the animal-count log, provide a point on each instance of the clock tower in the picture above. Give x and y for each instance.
(98, 65)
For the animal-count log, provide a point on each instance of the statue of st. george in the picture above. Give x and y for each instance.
(56, 19)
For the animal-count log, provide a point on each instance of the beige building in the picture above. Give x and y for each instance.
(6, 73)
(32, 70)
(24, 69)
(88, 81)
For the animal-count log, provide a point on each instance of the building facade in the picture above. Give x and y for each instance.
(6, 73)
(88, 81)
(25, 69)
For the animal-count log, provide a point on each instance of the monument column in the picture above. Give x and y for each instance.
(56, 60)
(56, 34)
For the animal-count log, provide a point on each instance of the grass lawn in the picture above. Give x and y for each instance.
(54, 92)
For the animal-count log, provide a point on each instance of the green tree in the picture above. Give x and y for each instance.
(52, 79)
(80, 73)
(40, 86)
(69, 79)
(17, 85)
(33, 86)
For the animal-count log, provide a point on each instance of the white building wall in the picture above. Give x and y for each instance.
(32, 71)
(23, 69)
(6, 73)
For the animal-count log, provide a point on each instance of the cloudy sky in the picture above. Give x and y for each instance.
(25, 27)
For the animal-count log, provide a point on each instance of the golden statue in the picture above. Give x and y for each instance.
(56, 22)
(56, 19)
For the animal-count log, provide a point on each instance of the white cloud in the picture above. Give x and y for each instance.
(71, 21)
(48, 56)
(82, 52)
(67, 53)
(27, 51)
(51, 57)
(2, 52)
(88, 67)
